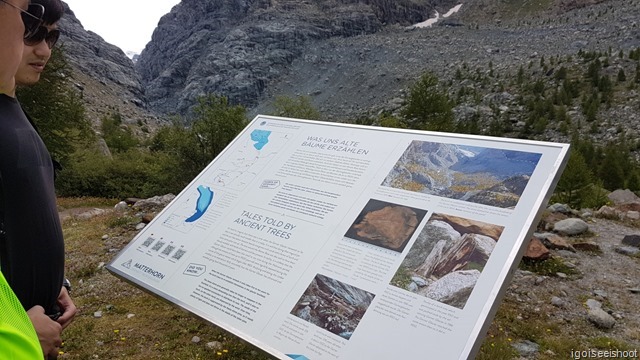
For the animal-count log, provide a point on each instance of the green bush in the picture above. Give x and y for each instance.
(133, 173)
(299, 107)
(118, 136)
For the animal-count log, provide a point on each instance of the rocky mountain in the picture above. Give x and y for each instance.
(103, 74)
(238, 47)
(352, 58)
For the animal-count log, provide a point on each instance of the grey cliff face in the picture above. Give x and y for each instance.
(89, 54)
(236, 47)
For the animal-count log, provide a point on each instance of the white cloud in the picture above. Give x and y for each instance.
(127, 24)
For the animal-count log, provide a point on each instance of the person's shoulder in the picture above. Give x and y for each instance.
(7, 102)
(7, 98)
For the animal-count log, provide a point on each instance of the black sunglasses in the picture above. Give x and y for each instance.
(43, 34)
(31, 18)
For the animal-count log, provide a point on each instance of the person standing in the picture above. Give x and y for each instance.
(23, 169)
(18, 338)
(36, 54)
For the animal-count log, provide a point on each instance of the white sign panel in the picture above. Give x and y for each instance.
(319, 240)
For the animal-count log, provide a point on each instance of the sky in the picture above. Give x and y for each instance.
(127, 24)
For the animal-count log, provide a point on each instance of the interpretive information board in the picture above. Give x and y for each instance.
(317, 240)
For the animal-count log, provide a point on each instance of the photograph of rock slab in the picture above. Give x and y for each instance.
(333, 305)
(386, 224)
(488, 176)
(447, 258)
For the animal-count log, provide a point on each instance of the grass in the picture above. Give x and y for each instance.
(68, 203)
(511, 324)
(550, 267)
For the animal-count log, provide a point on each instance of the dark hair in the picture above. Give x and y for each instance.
(53, 10)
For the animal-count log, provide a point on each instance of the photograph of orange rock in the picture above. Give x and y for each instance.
(447, 258)
(386, 224)
(488, 176)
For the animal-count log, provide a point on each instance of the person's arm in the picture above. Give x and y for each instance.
(48, 331)
(67, 308)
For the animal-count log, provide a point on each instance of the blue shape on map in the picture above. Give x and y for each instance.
(204, 200)
(261, 138)
(297, 357)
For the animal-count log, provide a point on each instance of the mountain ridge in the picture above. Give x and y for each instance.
(358, 76)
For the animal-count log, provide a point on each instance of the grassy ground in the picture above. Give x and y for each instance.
(136, 325)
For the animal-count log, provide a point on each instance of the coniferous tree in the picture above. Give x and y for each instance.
(520, 76)
(561, 74)
(621, 76)
(429, 107)
(616, 164)
(574, 180)
(633, 181)
(593, 72)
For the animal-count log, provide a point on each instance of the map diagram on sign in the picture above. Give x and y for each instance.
(191, 210)
(241, 167)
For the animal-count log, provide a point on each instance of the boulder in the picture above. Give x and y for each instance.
(154, 202)
(601, 318)
(608, 212)
(536, 250)
(526, 348)
(571, 227)
(627, 207)
(555, 242)
(631, 240)
(121, 206)
(551, 218)
(632, 215)
(91, 213)
(627, 250)
(619, 197)
(561, 208)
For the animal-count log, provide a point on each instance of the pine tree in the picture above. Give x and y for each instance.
(621, 76)
(428, 107)
(575, 178)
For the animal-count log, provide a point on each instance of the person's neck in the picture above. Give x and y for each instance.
(8, 89)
